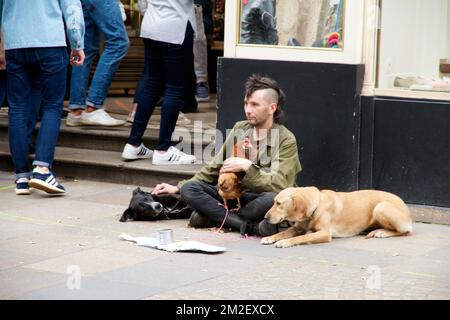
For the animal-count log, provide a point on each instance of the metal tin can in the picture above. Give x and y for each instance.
(165, 236)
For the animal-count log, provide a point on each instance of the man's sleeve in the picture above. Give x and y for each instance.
(73, 16)
(284, 168)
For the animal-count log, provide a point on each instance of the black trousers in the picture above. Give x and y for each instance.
(206, 200)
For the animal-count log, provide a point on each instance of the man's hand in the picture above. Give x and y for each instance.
(77, 58)
(165, 188)
(234, 164)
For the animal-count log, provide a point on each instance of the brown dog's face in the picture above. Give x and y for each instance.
(288, 205)
(228, 181)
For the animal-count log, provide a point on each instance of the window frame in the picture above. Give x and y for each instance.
(351, 52)
(371, 55)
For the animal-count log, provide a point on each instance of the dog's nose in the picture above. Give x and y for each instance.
(157, 206)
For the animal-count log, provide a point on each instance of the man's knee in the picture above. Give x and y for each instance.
(189, 187)
(267, 199)
(123, 46)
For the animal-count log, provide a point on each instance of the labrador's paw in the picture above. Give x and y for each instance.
(268, 240)
(283, 243)
(379, 233)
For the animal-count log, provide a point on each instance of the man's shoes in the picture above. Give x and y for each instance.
(131, 152)
(197, 220)
(99, 117)
(22, 186)
(172, 156)
(46, 182)
(202, 92)
(259, 229)
(265, 228)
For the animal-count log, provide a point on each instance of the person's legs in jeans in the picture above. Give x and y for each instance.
(151, 88)
(80, 75)
(52, 66)
(176, 59)
(54, 62)
(108, 18)
(19, 84)
(165, 68)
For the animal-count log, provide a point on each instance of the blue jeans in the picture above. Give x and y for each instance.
(166, 68)
(35, 103)
(99, 17)
(26, 68)
(35, 108)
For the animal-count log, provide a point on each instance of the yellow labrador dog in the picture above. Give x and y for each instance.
(318, 216)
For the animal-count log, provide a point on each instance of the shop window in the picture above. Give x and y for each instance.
(297, 23)
(414, 45)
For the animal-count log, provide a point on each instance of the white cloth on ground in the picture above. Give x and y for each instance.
(174, 246)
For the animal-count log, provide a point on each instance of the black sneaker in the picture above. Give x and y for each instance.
(197, 220)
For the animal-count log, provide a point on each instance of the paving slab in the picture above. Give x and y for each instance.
(91, 288)
(16, 282)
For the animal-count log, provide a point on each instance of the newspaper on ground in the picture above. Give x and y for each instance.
(187, 245)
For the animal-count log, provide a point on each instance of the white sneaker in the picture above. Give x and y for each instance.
(100, 118)
(131, 152)
(172, 156)
(73, 121)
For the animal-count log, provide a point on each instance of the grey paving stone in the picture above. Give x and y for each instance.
(182, 268)
(15, 259)
(91, 261)
(14, 227)
(15, 282)
(91, 288)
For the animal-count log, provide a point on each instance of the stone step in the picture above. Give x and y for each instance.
(106, 166)
(194, 136)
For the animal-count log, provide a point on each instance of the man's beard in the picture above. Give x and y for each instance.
(253, 122)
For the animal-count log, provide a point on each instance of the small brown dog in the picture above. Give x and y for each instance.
(327, 214)
(230, 188)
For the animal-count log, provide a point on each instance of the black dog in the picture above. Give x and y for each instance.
(147, 207)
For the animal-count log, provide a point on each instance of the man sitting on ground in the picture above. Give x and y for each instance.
(261, 151)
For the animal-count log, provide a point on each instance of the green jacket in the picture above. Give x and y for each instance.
(274, 168)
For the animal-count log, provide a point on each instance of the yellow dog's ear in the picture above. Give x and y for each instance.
(298, 204)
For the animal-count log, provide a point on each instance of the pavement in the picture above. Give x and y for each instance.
(67, 247)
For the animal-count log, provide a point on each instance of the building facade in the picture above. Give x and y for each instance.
(368, 86)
